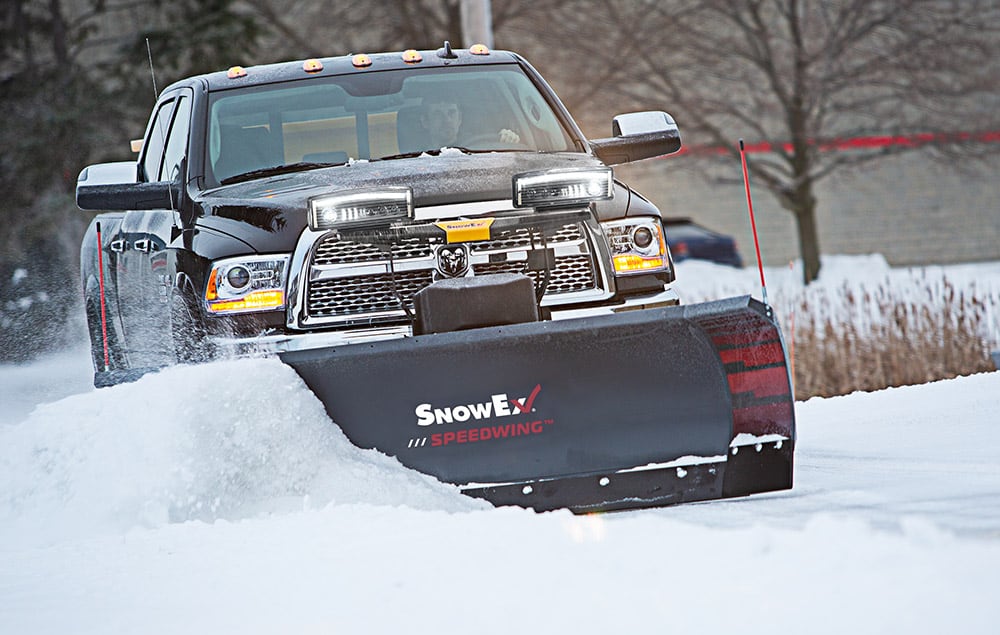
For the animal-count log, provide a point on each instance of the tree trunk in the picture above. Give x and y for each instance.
(60, 47)
(802, 204)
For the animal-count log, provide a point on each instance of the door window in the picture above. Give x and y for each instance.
(155, 141)
(177, 140)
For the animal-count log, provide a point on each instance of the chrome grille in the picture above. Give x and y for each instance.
(525, 238)
(364, 294)
(572, 273)
(332, 251)
(348, 282)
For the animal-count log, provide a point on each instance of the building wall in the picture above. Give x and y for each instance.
(910, 209)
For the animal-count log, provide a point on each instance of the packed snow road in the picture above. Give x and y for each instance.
(240, 508)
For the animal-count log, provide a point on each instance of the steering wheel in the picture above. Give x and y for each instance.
(490, 141)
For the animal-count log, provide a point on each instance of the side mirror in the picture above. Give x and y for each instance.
(114, 187)
(637, 136)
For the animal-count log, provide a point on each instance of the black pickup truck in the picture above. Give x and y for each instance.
(250, 217)
(431, 242)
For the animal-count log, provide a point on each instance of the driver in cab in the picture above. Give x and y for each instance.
(442, 119)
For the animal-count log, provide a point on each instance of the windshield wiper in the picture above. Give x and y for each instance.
(437, 152)
(404, 155)
(488, 150)
(301, 166)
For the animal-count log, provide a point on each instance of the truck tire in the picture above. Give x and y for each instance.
(116, 356)
(187, 330)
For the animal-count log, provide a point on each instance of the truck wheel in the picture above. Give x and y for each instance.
(188, 331)
(117, 368)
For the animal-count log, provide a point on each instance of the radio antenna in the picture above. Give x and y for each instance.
(152, 74)
(159, 124)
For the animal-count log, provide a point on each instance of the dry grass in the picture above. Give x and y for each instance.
(854, 339)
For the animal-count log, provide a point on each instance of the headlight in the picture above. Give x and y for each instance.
(562, 187)
(637, 245)
(360, 208)
(251, 283)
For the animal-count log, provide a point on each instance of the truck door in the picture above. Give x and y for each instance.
(162, 228)
(133, 246)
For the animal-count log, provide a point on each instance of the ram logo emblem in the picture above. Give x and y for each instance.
(453, 260)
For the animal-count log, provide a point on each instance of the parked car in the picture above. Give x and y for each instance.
(688, 239)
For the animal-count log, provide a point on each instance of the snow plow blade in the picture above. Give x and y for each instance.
(637, 409)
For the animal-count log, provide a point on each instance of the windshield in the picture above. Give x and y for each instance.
(378, 115)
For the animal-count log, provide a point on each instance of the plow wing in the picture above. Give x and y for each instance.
(637, 409)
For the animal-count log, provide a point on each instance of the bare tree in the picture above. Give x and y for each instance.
(303, 28)
(74, 88)
(797, 75)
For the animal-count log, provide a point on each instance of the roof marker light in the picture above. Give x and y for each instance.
(479, 49)
(312, 66)
(235, 72)
(412, 56)
(361, 60)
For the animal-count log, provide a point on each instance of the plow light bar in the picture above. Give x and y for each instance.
(251, 283)
(361, 208)
(637, 245)
(556, 188)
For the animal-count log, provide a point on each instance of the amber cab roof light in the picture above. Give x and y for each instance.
(362, 60)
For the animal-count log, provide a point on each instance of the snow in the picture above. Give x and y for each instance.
(220, 498)
(868, 279)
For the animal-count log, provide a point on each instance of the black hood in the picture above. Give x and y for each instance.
(276, 206)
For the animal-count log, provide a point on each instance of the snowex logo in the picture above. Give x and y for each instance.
(498, 405)
(486, 414)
